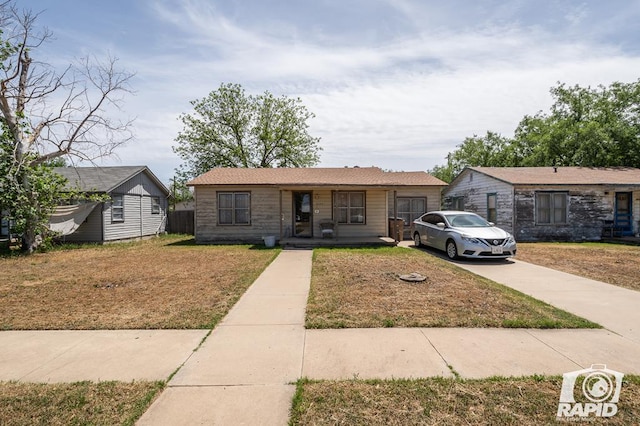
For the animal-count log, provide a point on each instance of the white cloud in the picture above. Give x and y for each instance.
(394, 83)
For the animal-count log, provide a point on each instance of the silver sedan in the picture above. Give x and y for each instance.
(463, 234)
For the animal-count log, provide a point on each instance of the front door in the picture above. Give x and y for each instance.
(303, 217)
(624, 214)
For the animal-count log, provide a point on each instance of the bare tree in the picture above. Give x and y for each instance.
(48, 113)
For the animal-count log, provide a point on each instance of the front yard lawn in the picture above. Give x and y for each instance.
(82, 403)
(438, 401)
(166, 282)
(361, 288)
(615, 264)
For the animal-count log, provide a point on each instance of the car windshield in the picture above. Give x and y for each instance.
(466, 221)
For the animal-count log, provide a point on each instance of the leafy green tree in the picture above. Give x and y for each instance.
(589, 127)
(491, 149)
(47, 115)
(229, 128)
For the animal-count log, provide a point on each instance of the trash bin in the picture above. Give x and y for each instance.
(396, 228)
(269, 241)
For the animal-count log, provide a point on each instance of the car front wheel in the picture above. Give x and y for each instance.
(416, 240)
(452, 250)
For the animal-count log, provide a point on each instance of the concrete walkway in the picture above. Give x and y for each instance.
(613, 307)
(243, 373)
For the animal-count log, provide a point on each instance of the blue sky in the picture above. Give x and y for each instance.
(393, 83)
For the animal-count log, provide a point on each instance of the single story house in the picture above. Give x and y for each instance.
(245, 205)
(551, 203)
(136, 208)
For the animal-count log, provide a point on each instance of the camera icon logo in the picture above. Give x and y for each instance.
(600, 388)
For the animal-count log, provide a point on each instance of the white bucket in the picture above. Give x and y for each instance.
(269, 241)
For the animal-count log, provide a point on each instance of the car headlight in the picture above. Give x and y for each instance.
(472, 240)
(510, 240)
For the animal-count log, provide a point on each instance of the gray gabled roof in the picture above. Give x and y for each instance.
(103, 179)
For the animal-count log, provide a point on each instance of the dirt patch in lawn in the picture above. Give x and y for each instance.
(512, 401)
(83, 403)
(615, 264)
(161, 283)
(361, 288)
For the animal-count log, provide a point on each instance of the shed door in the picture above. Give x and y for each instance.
(624, 214)
(303, 214)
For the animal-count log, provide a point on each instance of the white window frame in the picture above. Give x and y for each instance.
(117, 208)
(234, 209)
(349, 208)
(155, 205)
(553, 208)
(494, 209)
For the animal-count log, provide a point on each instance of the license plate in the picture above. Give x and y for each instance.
(496, 249)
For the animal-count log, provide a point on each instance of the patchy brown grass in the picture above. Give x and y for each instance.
(499, 401)
(615, 264)
(160, 283)
(361, 288)
(104, 403)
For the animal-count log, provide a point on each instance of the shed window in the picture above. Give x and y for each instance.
(551, 208)
(155, 205)
(349, 207)
(234, 208)
(117, 208)
(411, 208)
(492, 208)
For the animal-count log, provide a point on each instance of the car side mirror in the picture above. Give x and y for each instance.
(492, 224)
(441, 225)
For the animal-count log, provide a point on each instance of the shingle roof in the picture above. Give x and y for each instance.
(315, 176)
(563, 175)
(102, 179)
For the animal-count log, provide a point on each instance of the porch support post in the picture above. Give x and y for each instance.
(395, 215)
(281, 216)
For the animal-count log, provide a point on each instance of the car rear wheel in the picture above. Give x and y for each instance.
(452, 250)
(416, 240)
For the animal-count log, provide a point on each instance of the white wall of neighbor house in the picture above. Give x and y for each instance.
(139, 218)
(474, 187)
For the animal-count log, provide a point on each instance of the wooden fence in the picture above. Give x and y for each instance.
(181, 222)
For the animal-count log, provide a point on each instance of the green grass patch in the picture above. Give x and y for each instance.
(442, 401)
(361, 288)
(81, 403)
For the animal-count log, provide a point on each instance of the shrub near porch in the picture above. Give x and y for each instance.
(360, 288)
